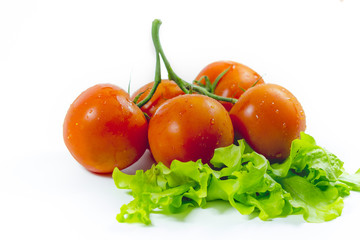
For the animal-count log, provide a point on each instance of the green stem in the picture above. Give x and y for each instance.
(215, 83)
(203, 91)
(158, 47)
(183, 85)
(136, 99)
(157, 81)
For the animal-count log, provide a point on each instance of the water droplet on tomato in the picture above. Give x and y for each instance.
(277, 110)
(212, 121)
(90, 115)
(174, 127)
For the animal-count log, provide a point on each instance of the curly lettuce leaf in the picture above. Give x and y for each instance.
(351, 180)
(244, 182)
(174, 189)
(311, 182)
(310, 160)
(316, 205)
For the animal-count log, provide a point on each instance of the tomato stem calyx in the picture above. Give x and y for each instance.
(215, 83)
(210, 87)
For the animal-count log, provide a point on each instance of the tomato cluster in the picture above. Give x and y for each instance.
(106, 128)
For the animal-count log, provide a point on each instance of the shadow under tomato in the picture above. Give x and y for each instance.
(144, 163)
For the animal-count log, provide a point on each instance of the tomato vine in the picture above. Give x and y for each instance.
(186, 87)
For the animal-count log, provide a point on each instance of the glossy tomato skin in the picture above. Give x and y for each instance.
(238, 78)
(166, 90)
(269, 118)
(103, 129)
(189, 127)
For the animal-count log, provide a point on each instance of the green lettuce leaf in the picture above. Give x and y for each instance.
(315, 204)
(244, 182)
(310, 160)
(311, 182)
(351, 180)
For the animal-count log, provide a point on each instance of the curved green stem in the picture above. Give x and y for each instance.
(172, 75)
(183, 85)
(215, 83)
(157, 81)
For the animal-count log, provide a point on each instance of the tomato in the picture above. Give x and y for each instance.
(269, 118)
(103, 129)
(166, 90)
(189, 127)
(237, 79)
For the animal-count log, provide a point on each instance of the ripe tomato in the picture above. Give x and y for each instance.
(166, 90)
(269, 118)
(189, 127)
(103, 129)
(237, 79)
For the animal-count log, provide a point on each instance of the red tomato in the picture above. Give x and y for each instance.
(269, 118)
(103, 129)
(237, 79)
(189, 127)
(166, 90)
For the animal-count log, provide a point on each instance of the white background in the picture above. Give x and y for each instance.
(50, 51)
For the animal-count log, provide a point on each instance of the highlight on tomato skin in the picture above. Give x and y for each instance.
(269, 118)
(166, 90)
(237, 79)
(104, 129)
(188, 128)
